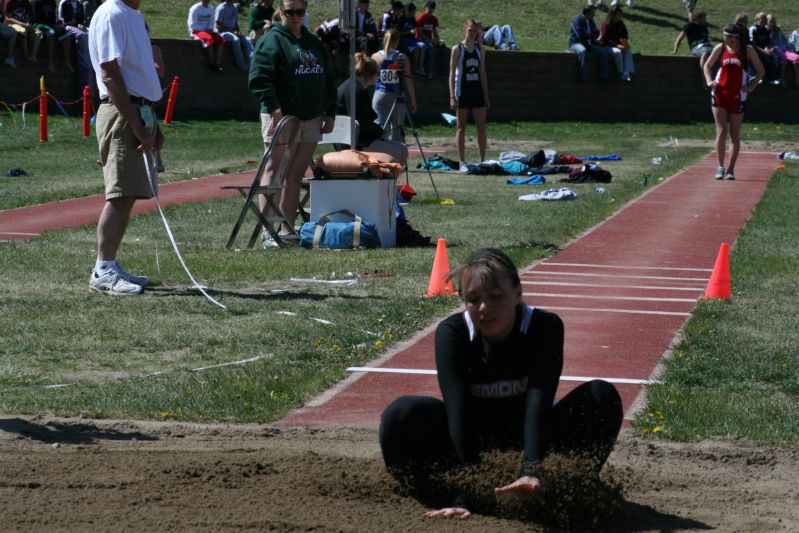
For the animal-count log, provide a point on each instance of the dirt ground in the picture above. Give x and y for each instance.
(113, 475)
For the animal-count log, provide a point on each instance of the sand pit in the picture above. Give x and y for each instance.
(101, 475)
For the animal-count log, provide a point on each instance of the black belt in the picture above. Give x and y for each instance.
(138, 100)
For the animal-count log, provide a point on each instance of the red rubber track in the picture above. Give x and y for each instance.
(624, 289)
(27, 222)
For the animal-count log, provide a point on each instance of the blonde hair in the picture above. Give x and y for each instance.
(390, 37)
(365, 66)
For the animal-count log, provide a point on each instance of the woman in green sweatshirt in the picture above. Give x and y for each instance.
(289, 75)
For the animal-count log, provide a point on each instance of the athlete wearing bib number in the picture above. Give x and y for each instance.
(729, 90)
(468, 90)
(394, 81)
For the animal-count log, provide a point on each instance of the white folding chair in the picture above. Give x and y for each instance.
(285, 133)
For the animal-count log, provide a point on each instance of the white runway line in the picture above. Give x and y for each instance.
(19, 233)
(644, 287)
(592, 297)
(607, 310)
(426, 372)
(593, 275)
(590, 265)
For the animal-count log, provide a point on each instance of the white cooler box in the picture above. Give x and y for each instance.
(372, 199)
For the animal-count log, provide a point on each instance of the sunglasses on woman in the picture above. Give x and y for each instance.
(294, 12)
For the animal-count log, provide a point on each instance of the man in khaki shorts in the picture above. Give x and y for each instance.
(122, 58)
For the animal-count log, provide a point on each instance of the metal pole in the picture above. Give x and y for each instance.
(348, 19)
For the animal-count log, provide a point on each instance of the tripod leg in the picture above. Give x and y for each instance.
(419, 144)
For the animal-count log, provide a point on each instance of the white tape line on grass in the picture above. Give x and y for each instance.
(171, 237)
(426, 372)
(152, 374)
(321, 321)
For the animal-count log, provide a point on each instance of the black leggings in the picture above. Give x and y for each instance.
(586, 422)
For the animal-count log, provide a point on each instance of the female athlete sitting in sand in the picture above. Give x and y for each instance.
(499, 363)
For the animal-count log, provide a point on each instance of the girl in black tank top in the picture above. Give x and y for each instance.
(468, 90)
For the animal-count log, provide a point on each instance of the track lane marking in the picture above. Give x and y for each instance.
(645, 287)
(592, 297)
(430, 372)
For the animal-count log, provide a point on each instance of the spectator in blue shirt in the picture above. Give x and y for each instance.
(584, 38)
(226, 19)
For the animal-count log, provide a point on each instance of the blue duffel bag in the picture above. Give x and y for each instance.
(347, 235)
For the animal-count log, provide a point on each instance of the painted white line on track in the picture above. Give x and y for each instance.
(19, 233)
(645, 287)
(592, 297)
(623, 267)
(627, 311)
(593, 275)
(428, 372)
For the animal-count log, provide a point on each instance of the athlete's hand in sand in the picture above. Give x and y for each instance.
(521, 485)
(449, 512)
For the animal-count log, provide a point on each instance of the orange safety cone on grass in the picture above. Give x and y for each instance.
(719, 284)
(439, 284)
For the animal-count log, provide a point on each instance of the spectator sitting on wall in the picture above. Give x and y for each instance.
(583, 38)
(696, 31)
(427, 31)
(366, 33)
(227, 24)
(89, 7)
(45, 20)
(613, 35)
(10, 34)
(782, 49)
(72, 15)
(19, 15)
(260, 18)
(392, 18)
(370, 134)
(409, 42)
(760, 38)
(496, 36)
(201, 27)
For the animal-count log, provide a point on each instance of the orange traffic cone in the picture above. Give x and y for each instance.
(719, 284)
(439, 284)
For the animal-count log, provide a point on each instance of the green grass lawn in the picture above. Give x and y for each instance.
(539, 25)
(736, 365)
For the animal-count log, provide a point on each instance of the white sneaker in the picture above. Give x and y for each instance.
(141, 281)
(464, 167)
(110, 282)
(268, 241)
(719, 174)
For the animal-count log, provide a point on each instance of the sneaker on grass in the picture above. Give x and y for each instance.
(141, 281)
(110, 282)
(268, 241)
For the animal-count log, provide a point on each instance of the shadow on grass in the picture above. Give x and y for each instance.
(68, 433)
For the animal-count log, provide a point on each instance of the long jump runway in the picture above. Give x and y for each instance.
(623, 289)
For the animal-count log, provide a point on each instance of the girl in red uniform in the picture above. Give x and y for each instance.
(729, 90)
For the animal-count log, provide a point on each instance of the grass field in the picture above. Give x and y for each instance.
(539, 25)
(53, 331)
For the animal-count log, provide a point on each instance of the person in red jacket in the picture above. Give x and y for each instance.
(728, 91)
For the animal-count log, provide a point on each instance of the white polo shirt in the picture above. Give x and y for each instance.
(118, 33)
